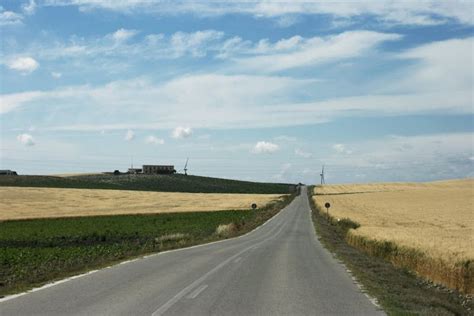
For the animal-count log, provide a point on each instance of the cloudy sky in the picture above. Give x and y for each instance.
(257, 90)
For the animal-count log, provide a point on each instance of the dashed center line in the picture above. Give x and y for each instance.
(161, 310)
(197, 291)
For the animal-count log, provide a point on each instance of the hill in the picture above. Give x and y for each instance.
(158, 183)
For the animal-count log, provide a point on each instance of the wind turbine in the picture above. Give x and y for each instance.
(322, 176)
(186, 167)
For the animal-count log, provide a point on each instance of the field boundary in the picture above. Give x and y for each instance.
(398, 290)
(458, 276)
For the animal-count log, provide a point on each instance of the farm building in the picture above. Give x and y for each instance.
(135, 170)
(158, 169)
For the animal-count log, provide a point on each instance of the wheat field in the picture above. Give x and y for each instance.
(432, 220)
(27, 203)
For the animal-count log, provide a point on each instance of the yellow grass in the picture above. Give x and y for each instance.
(436, 219)
(22, 203)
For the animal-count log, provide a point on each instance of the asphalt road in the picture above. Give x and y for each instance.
(278, 269)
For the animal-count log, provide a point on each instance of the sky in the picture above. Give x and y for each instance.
(252, 90)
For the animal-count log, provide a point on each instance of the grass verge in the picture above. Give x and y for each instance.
(34, 252)
(398, 290)
(457, 275)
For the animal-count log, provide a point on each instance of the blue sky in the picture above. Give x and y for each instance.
(260, 90)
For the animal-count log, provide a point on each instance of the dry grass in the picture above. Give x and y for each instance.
(226, 230)
(171, 237)
(22, 203)
(428, 227)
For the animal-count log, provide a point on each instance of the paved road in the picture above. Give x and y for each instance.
(278, 269)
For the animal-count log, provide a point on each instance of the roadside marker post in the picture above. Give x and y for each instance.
(327, 205)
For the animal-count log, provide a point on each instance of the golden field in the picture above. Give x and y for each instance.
(23, 203)
(428, 227)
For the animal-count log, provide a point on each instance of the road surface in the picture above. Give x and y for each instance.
(278, 269)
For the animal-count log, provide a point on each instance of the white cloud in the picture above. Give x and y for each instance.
(302, 153)
(316, 50)
(216, 101)
(154, 140)
(56, 75)
(182, 132)
(25, 65)
(341, 148)
(431, 84)
(285, 139)
(232, 46)
(219, 92)
(427, 12)
(424, 157)
(122, 35)
(193, 43)
(129, 135)
(448, 102)
(264, 46)
(9, 17)
(287, 20)
(26, 139)
(149, 47)
(440, 66)
(262, 55)
(9, 102)
(29, 8)
(287, 174)
(338, 147)
(263, 147)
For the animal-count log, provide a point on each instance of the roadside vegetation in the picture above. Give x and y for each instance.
(33, 252)
(159, 183)
(399, 290)
(29, 203)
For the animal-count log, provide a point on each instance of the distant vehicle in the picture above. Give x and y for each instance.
(8, 173)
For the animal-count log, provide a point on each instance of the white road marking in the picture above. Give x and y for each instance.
(128, 261)
(10, 297)
(237, 260)
(163, 308)
(198, 291)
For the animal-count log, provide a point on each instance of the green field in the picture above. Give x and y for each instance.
(33, 252)
(161, 183)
